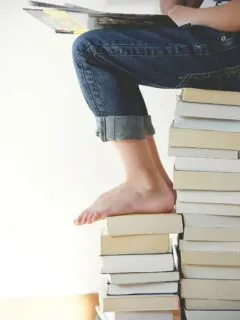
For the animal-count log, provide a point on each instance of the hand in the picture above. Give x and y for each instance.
(182, 15)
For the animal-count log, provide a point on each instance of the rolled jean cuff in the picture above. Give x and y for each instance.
(118, 128)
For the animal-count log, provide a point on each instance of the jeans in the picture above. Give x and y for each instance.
(112, 63)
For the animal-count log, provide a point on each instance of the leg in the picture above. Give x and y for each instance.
(143, 191)
(156, 158)
(110, 65)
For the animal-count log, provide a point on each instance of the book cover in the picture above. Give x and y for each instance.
(208, 208)
(212, 234)
(204, 139)
(213, 221)
(134, 278)
(150, 315)
(210, 272)
(139, 289)
(212, 181)
(135, 244)
(212, 315)
(139, 303)
(74, 19)
(203, 153)
(203, 253)
(201, 304)
(208, 111)
(137, 263)
(207, 165)
(211, 96)
(211, 289)
(207, 124)
(210, 197)
(136, 224)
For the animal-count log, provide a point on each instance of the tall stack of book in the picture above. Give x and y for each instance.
(205, 139)
(140, 277)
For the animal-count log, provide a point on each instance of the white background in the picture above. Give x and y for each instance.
(51, 164)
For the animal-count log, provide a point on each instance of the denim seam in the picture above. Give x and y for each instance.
(229, 71)
(81, 68)
(132, 46)
(84, 70)
(97, 86)
(223, 71)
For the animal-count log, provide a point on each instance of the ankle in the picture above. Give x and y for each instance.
(147, 180)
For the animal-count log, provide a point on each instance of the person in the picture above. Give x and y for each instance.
(204, 52)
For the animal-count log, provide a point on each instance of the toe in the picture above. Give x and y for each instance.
(85, 216)
(95, 217)
(89, 218)
(81, 218)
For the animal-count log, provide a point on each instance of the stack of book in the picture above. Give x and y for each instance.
(140, 277)
(205, 139)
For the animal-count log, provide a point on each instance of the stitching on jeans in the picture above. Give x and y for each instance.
(81, 67)
(99, 91)
(83, 71)
(229, 72)
(158, 51)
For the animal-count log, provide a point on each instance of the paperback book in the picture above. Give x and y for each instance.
(74, 19)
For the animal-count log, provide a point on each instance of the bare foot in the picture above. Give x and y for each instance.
(129, 199)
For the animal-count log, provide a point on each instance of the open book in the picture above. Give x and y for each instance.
(74, 19)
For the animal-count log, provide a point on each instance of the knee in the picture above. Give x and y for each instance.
(85, 45)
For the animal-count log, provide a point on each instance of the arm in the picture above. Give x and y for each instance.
(166, 5)
(223, 18)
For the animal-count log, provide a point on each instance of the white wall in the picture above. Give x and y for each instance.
(52, 166)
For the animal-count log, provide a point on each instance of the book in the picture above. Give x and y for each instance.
(137, 263)
(215, 181)
(139, 289)
(201, 304)
(214, 197)
(134, 278)
(74, 19)
(139, 303)
(203, 153)
(210, 289)
(212, 315)
(204, 139)
(150, 315)
(208, 208)
(211, 96)
(208, 111)
(210, 221)
(201, 253)
(136, 244)
(216, 125)
(135, 224)
(207, 165)
(212, 234)
(210, 272)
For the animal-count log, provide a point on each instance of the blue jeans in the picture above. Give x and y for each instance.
(112, 63)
